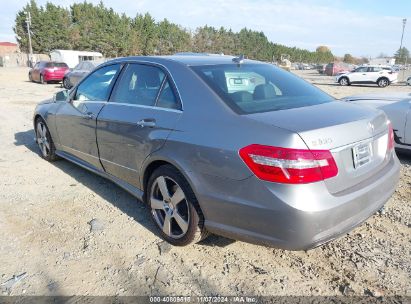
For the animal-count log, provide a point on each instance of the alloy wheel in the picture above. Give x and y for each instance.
(42, 139)
(383, 83)
(66, 83)
(343, 81)
(169, 207)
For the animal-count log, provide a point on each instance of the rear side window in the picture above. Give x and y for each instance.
(254, 88)
(139, 85)
(167, 98)
(97, 86)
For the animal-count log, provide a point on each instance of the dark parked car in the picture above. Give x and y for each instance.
(73, 76)
(47, 71)
(225, 145)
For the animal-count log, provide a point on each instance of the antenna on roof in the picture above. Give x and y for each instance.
(239, 60)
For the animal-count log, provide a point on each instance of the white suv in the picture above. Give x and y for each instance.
(380, 75)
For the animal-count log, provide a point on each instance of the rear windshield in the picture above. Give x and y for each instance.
(254, 88)
(56, 64)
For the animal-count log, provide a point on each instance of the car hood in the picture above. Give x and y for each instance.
(328, 125)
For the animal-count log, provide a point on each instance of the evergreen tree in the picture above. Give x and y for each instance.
(84, 26)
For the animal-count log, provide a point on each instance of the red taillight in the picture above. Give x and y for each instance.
(390, 137)
(290, 166)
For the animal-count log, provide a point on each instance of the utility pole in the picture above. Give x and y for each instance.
(404, 22)
(28, 22)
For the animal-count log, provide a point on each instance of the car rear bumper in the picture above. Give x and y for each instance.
(293, 217)
(53, 77)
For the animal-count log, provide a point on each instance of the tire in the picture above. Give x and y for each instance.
(44, 141)
(185, 224)
(383, 82)
(42, 80)
(344, 81)
(66, 83)
(30, 77)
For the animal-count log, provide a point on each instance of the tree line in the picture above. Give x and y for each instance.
(88, 27)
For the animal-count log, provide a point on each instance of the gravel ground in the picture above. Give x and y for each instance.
(65, 231)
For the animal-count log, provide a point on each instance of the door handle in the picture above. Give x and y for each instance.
(151, 123)
(88, 116)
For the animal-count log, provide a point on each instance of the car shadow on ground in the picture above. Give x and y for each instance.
(109, 191)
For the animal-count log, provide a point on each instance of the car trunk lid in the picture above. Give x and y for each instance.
(356, 136)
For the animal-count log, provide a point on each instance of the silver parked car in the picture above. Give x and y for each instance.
(73, 76)
(397, 106)
(225, 145)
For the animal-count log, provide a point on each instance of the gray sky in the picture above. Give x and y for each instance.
(359, 27)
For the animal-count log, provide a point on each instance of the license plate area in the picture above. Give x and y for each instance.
(362, 154)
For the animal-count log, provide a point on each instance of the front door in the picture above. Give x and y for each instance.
(359, 75)
(143, 109)
(76, 121)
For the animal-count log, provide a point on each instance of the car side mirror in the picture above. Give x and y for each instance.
(61, 96)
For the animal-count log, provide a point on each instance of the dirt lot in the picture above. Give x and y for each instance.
(46, 209)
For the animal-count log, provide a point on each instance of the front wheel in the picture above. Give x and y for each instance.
(343, 81)
(383, 82)
(44, 141)
(174, 207)
(42, 81)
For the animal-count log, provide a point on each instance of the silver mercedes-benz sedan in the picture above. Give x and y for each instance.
(225, 145)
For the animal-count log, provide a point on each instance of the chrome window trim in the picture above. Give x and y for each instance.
(145, 107)
(169, 74)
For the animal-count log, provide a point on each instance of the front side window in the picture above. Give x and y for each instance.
(361, 70)
(254, 88)
(97, 86)
(139, 85)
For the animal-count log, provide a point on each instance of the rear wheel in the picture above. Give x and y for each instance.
(174, 207)
(344, 81)
(30, 77)
(66, 83)
(44, 141)
(383, 82)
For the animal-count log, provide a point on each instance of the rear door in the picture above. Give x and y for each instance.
(141, 113)
(374, 73)
(76, 120)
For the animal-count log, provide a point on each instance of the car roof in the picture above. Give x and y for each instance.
(191, 59)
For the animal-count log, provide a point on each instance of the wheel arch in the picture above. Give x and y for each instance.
(384, 77)
(346, 77)
(157, 161)
(36, 117)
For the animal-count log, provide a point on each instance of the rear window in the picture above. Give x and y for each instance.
(56, 64)
(255, 88)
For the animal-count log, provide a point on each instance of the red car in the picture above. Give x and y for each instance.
(334, 68)
(45, 71)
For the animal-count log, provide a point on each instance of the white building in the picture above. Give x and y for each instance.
(382, 61)
(72, 58)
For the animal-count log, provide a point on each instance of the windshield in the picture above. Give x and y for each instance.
(254, 88)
